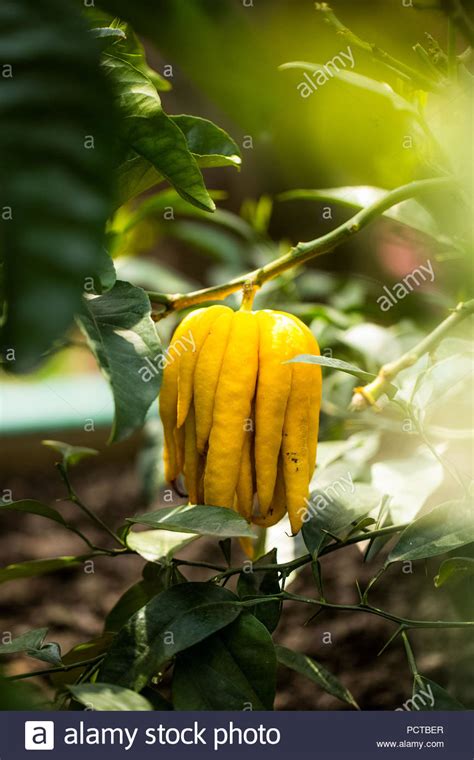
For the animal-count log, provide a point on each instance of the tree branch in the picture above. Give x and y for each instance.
(300, 253)
(367, 395)
(417, 78)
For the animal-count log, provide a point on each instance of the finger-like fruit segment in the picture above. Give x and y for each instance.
(232, 408)
(245, 486)
(169, 396)
(191, 458)
(276, 346)
(295, 445)
(277, 507)
(206, 376)
(315, 396)
(191, 344)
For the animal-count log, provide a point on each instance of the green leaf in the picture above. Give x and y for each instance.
(71, 454)
(410, 212)
(429, 695)
(262, 583)
(153, 545)
(334, 506)
(232, 670)
(453, 569)
(33, 507)
(27, 641)
(32, 643)
(207, 142)
(373, 86)
(57, 185)
(36, 567)
(173, 621)
(409, 482)
(445, 528)
(124, 340)
(147, 130)
(200, 519)
(134, 598)
(313, 670)
(108, 696)
(325, 361)
(130, 602)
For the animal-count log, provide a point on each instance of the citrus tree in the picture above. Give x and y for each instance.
(240, 383)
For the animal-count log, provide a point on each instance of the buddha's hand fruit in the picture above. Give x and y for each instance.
(241, 423)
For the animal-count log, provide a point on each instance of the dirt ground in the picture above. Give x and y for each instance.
(72, 604)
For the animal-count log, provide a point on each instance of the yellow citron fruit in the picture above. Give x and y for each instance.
(240, 422)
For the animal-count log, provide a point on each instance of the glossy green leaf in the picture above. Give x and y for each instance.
(453, 569)
(124, 340)
(325, 361)
(173, 621)
(232, 670)
(313, 670)
(56, 162)
(253, 582)
(147, 130)
(208, 142)
(445, 528)
(129, 603)
(108, 696)
(153, 545)
(36, 567)
(335, 505)
(200, 519)
(71, 455)
(33, 507)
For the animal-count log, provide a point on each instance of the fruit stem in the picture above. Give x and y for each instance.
(249, 290)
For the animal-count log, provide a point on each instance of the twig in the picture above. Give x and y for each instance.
(407, 623)
(367, 395)
(286, 567)
(300, 253)
(72, 496)
(416, 77)
(59, 669)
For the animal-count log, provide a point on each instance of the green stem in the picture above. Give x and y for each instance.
(402, 69)
(410, 655)
(405, 622)
(368, 394)
(300, 253)
(305, 559)
(59, 669)
(74, 498)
